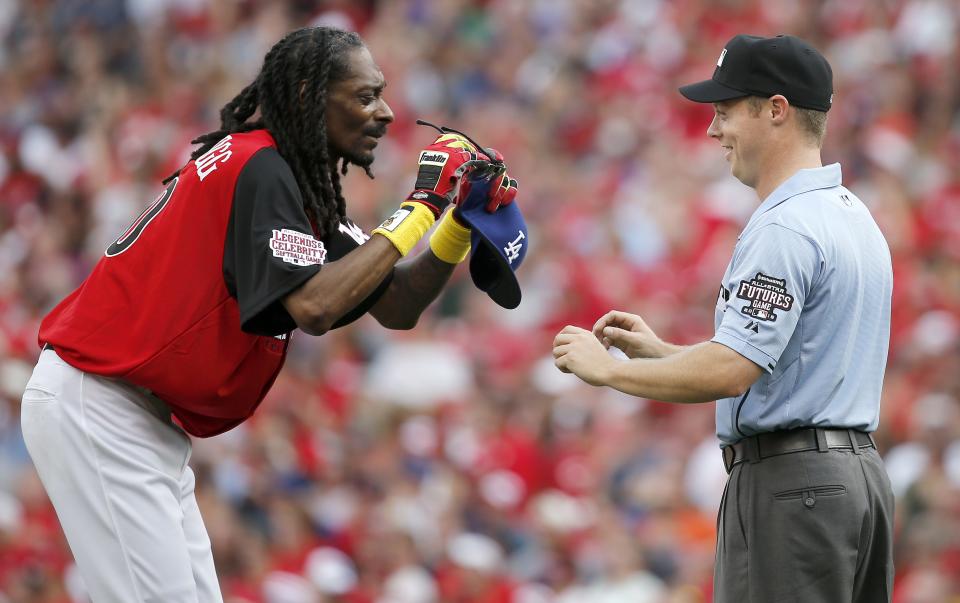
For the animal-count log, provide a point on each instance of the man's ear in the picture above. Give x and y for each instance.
(777, 108)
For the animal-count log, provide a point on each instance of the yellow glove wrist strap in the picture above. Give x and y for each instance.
(406, 226)
(450, 241)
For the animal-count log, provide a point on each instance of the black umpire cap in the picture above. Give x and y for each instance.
(755, 66)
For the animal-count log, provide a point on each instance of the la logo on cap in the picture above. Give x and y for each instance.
(720, 60)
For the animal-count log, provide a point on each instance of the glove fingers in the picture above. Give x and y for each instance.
(494, 154)
(510, 194)
(466, 158)
(496, 191)
(455, 141)
(504, 195)
(510, 189)
(471, 166)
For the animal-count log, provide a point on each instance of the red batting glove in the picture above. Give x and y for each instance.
(440, 164)
(503, 189)
(503, 193)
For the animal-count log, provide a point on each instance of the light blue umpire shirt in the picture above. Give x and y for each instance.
(807, 298)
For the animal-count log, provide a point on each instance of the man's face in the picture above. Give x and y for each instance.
(356, 113)
(740, 131)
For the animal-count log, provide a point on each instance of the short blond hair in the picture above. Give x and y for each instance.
(812, 122)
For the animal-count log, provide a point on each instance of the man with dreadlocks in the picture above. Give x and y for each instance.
(183, 325)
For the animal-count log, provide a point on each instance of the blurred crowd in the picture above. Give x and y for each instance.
(454, 463)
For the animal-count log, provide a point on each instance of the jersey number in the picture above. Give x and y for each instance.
(130, 236)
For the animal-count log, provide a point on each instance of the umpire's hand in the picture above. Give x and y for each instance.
(577, 351)
(631, 335)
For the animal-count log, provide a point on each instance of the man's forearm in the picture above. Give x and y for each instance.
(340, 285)
(691, 374)
(669, 349)
(416, 284)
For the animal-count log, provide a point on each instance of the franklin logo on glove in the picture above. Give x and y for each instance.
(433, 158)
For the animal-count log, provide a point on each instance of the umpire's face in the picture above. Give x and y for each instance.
(741, 132)
(356, 113)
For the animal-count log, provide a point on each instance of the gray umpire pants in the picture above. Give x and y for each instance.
(806, 527)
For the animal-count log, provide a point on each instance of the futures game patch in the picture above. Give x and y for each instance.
(765, 294)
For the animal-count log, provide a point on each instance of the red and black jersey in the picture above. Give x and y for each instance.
(187, 302)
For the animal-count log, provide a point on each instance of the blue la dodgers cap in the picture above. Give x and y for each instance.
(498, 244)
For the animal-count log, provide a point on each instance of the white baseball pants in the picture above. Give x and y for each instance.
(115, 468)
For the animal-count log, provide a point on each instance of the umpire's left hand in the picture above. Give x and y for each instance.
(578, 351)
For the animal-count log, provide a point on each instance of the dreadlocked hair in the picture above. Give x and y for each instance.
(291, 94)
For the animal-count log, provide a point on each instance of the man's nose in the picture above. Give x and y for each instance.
(384, 112)
(713, 130)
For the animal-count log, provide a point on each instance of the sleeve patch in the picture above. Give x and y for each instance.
(297, 248)
(765, 294)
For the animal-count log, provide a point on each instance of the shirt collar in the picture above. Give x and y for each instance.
(803, 181)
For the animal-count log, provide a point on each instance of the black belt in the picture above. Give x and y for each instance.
(764, 445)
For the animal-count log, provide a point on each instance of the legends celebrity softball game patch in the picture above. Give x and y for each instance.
(765, 294)
(297, 248)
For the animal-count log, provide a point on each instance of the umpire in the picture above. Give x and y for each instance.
(796, 364)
